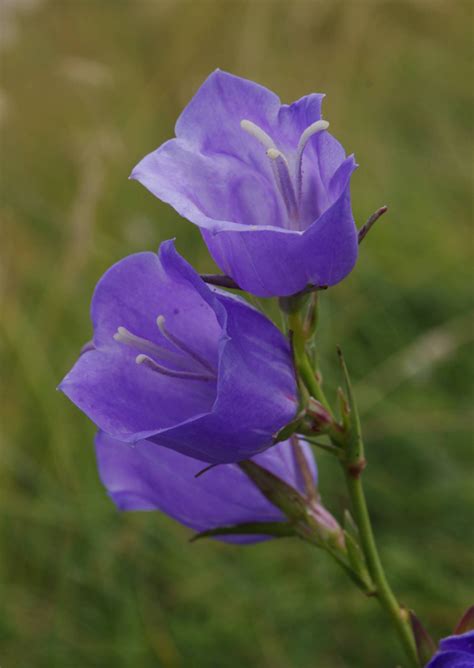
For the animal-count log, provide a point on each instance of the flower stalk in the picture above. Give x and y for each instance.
(347, 444)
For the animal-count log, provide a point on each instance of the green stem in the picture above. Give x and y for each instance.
(353, 464)
(301, 358)
(384, 593)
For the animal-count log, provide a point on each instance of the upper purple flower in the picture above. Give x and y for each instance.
(455, 652)
(177, 362)
(265, 182)
(147, 477)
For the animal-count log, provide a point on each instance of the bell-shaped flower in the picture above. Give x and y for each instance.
(265, 182)
(148, 477)
(172, 360)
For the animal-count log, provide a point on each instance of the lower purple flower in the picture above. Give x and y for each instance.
(148, 477)
(455, 652)
(174, 361)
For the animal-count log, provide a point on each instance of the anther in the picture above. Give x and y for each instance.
(154, 366)
(122, 335)
(257, 132)
(160, 321)
(311, 130)
(314, 128)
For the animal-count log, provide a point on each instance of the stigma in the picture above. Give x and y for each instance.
(289, 184)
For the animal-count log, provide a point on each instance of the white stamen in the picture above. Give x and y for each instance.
(122, 335)
(274, 154)
(311, 130)
(154, 366)
(258, 133)
(160, 321)
(280, 166)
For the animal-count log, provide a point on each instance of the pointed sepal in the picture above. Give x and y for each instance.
(277, 491)
(425, 645)
(289, 429)
(466, 623)
(355, 460)
(273, 529)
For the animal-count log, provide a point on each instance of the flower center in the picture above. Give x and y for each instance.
(187, 362)
(289, 186)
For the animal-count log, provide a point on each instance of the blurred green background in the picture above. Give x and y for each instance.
(89, 87)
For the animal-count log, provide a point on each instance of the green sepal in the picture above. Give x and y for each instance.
(292, 427)
(354, 445)
(276, 490)
(344, 409)
(275, 529)
(425, 645)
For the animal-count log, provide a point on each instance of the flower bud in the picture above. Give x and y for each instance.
(319, 420)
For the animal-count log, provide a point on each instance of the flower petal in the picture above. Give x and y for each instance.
(275, 262)
(134, 291)
(130, 401)
(246, 415)
(149, 477)
(211, 121)
(214, 191)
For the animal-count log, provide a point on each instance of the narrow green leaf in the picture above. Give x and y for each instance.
(355, 448)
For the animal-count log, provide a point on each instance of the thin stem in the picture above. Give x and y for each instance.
(308, 376)
(384, 593)
(311, 382)
(353, 462)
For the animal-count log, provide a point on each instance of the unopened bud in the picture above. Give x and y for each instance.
(329, 529)
(320, 420)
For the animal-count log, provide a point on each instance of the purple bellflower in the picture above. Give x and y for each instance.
(147, 477)
(265, 182)
(176, 362)
(455, 652)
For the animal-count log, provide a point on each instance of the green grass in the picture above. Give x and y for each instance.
(89, 87)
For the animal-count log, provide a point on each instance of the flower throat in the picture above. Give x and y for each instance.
(190, 365)
(290, 188)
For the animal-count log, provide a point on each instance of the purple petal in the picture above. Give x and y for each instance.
(451, 660)
(256, 396)
(130, 401)
(460, 643)
(277, 262)
(134, 291)
(455, 652)
(149, 477)
(214, 191)
(211, 121)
